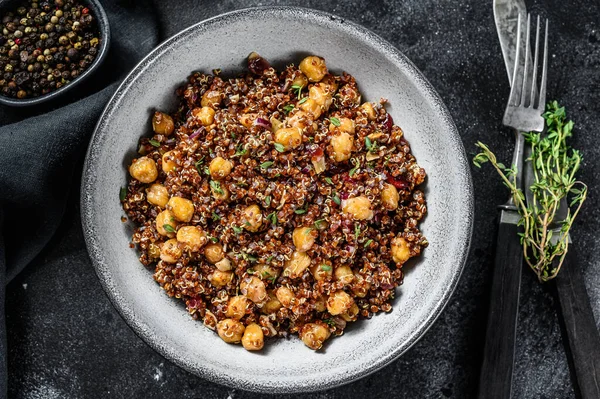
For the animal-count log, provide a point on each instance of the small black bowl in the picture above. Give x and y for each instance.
(103, 26)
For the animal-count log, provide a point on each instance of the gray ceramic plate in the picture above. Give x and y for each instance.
(282, 35)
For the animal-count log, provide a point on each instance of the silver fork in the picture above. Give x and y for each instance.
(523, 113)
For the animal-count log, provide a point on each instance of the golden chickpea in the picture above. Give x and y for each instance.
(162, 123)
(297, 264)
(312, 107)
(321, 96)
(237, 306)
(219, 278)
(154, 251)
(219, 191)
(182, 208)
(253, 339)
(360, 286)
(252, 218)
(313, 335)
(400, 250)
(300, 80)
(300, 119)
(223, 265)
(191, 238)
(347, 125)
(303, 238)
(220, 168)
(341, 147)
(170, 251)
(285, 296)
(157, 194)
(230, 331)
(254, 289)
(320, 305)
(166, 219)
(339, 302)
(344, 274)
(144, 170)
(359, 207)
(314, 68)
(321, 272)
(247, 120)
(272, 305)
(214, 253)
(211, 98)
(289, 137)
(390, 197)
(206, 115)
(369, 111)
(351, 314)
(168, 161)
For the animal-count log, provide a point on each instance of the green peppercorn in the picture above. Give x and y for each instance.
(21, 10)
(18, 34)
(21, 94)
(49, 27)
(77, 46)
(58, 13)
(28, 30)
(8, 68)
(44, 36)
(23, 21)
(63, 40)
(54, 19)
(47, 51)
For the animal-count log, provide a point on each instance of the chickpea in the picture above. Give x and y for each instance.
(360, 286)
(344, 274)
(191, 238)
(303, 238)
(347, 125)
(170, 251)
(237, 306)
(290, 137)
(182, 208)
(321, 96)
(400, 250)
(247, 120)
(230, 330)
(252, 218)
(320, 305)
(312, 107)
(285, 296)
(359, 207)
(219, 278)
(220, 168)
(300, 119)
(351, 314)
(154, 251)
(253, 339)
(162, 124)
(339, 302)
(223, 265)
(211, 98)
(219, 191)
(314, 68)
(313, 335)
(166, 218)
(143, 170)
(297, 264)
(272, 305)
(390, 197)
(341, 147)
(300, 80)
(254, 289)
(157, 194)
(214, 253)
(369, 111)
(206, 115)
(168, 161)
(321, 272)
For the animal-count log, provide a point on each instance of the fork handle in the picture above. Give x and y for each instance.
(495, 378)
(580, 326)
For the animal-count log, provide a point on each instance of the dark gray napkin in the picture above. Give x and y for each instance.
(42, 147)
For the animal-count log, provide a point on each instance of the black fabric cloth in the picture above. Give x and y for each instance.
(42, 148)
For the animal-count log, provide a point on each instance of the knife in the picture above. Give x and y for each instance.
(583, 338)
(495, 378)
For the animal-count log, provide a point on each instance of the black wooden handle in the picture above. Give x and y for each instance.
(582, 333)
(495, 379)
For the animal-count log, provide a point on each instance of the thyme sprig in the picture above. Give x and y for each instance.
(554, 166)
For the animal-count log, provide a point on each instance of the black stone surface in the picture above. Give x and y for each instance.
(65, 340)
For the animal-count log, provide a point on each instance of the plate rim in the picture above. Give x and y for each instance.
(347, 26)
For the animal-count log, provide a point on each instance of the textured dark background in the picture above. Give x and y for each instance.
(65, 340)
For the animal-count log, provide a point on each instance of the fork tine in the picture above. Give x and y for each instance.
(535, 63)
(526, 67)
(542, 102)
(513, 90)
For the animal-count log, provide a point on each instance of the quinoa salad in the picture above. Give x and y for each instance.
(276, 203)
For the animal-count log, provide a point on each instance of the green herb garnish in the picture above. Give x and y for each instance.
(122, 193)
(266, 165)
(297, 89)
(302, 101)
(326, 268)
(216, 186)
(300, 211)
(356, 231)
(279, 147)
(268, 200)
(318, 223)
(168, 228)
(329, 322)
(240, 151)
(356, 164)
(215, 217)
(336, 199)
(554, 167)
(272, 217)
(368, 243)
(368, 144)
(335, 121)
(214, 239)
(288, 108)
(237, 229)
(154, 143)
(328, 180)
(198, 165)
(269, 259)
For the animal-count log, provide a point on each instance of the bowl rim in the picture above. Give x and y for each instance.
(104, 27)
(417, 77)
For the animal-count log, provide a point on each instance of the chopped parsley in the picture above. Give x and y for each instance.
(368, 144)
(240, 151)
(154, 143)
(272, 217)
(216, 186)
(214, 239)
(279, 147)
(300, 211)
(335, 121)
(168, 228)
(266, 165)
(329, 322)
(248, 257)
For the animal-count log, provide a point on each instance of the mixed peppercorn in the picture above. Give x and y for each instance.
(44, 45)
